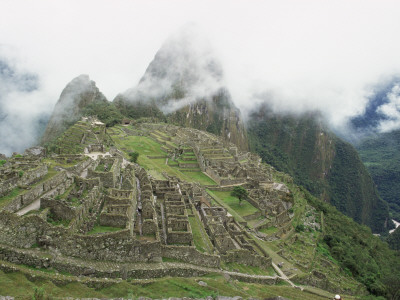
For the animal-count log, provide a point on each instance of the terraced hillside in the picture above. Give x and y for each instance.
(112, 228)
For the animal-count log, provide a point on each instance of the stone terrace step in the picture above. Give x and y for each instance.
(105, 269)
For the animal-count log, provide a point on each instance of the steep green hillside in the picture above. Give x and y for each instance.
(328, 167)
(360, 253)
(381, 156)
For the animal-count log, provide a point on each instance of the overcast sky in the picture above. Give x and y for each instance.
(303, 54)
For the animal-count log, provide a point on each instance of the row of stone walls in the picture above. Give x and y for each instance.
(113, 220)
(244, 256)
(88, 209)
(109, 178)
(115, 246)
(28, 177)
(58, 208)
(79, 167)
(87, 184)
(189, 254)
(253, 216)
(59, 181)
(24, 232)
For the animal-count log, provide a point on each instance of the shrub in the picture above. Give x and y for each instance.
(134, 156)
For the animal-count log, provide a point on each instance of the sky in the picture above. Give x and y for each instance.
(298, 55)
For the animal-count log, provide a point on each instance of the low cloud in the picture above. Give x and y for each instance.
(22, 116)
(391, 111)
(299, 56)
(185, 68)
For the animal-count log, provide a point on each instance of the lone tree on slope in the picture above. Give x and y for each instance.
(134, 156)
(239, 193)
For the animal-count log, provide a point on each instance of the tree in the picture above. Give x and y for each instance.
(239, 193)
(134, 156)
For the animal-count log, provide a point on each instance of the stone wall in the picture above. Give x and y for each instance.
(58, 182)
(113, 220)
(58, 208)
(29, 177)
(79, 167)
(222, 180)
(115, 246)
(243, 256)
(110, 178)
(189, 254)
(253, 216)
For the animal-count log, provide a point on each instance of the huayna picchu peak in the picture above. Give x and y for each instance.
(184, 84)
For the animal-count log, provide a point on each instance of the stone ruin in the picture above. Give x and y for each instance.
(109, 210)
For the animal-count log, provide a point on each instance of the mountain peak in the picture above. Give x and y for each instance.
(77, 94)
(185, 66)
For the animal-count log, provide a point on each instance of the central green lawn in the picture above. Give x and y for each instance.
(243, 210)
(145, 146)
(142, 144)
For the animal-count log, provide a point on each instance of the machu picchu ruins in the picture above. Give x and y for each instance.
(94, 205)
(83, 207)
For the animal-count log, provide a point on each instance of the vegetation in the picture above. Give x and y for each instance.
(54, 221)
(17, 284)
(394, 239)
(326, 166)
(232, 202)
(138, 109)
(148, 147)
(105, 111)
(381, 156)
(11, 195)
(134, 156)
(240, 193)
(359, 253)
(200, 237)
(102, 229)
(2, 162)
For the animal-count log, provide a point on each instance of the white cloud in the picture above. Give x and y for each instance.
(308, 54)
(391, 110)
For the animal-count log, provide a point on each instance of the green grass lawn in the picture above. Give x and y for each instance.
(236, 267)
(11, 195)
(145, 146)
(199, 242)
(243, 209)
(5, 200)
(269, 230)
(103, 229)
(199, 177)
(16, 284)
(141, 144)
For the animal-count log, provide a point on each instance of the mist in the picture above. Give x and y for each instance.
(22, 114)
(297, 56)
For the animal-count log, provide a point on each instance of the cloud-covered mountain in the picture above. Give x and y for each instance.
(21, 118)
(382, 112)
(185, 84)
